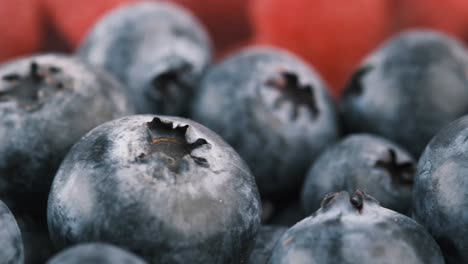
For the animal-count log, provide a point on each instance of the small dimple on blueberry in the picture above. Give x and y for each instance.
(11, 77)
(357, 200)
(401, 172)
(288, 84)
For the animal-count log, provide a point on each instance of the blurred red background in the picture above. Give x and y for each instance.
(332, 35)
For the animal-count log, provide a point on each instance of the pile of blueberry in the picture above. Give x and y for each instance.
(100, 161)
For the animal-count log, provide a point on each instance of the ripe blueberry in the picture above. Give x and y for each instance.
(11, 244)
(274, 110)
(47, 103)
(355, 229)
(408, 89)
(441, 190)
(95, 253)
(166, 188)
(157, 49)
(362, 161)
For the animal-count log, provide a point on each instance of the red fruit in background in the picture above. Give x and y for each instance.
(332, 35)
(229, 51)
(20, 27)
(226, 20)
(449, 16)
(73, 19)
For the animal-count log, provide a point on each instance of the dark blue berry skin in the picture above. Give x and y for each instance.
(265, 242)
(441, 190)
(165, 188)
(47, 103)
(274, 110)
(157, 49)
(95, 253)
(355, 229)
(408, 89)
(11, 245)
(362, 161)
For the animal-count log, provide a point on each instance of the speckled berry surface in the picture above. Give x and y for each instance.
(441, 190)
(166, 188)
(47, 102)
(355, 229)
(362, 161)
(157, 49)
(408, 89)
(274, 110)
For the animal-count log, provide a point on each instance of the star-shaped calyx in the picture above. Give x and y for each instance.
(357, 200)
(401, 172)
(171, 141)
(291, 90)
(31, 90)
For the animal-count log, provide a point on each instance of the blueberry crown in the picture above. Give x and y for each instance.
(292, 90)
(172, 142)
(31, 90)
(401, 172)
(357, 200)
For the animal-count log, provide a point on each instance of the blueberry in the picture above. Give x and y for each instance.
(274, 110)
(355, 229)
(47, 102)
(362, 161)
(11, 245)
(158, 49)
(441, 190)
(265, 242)
(95, 253)
(408, 89)
(163, 187)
